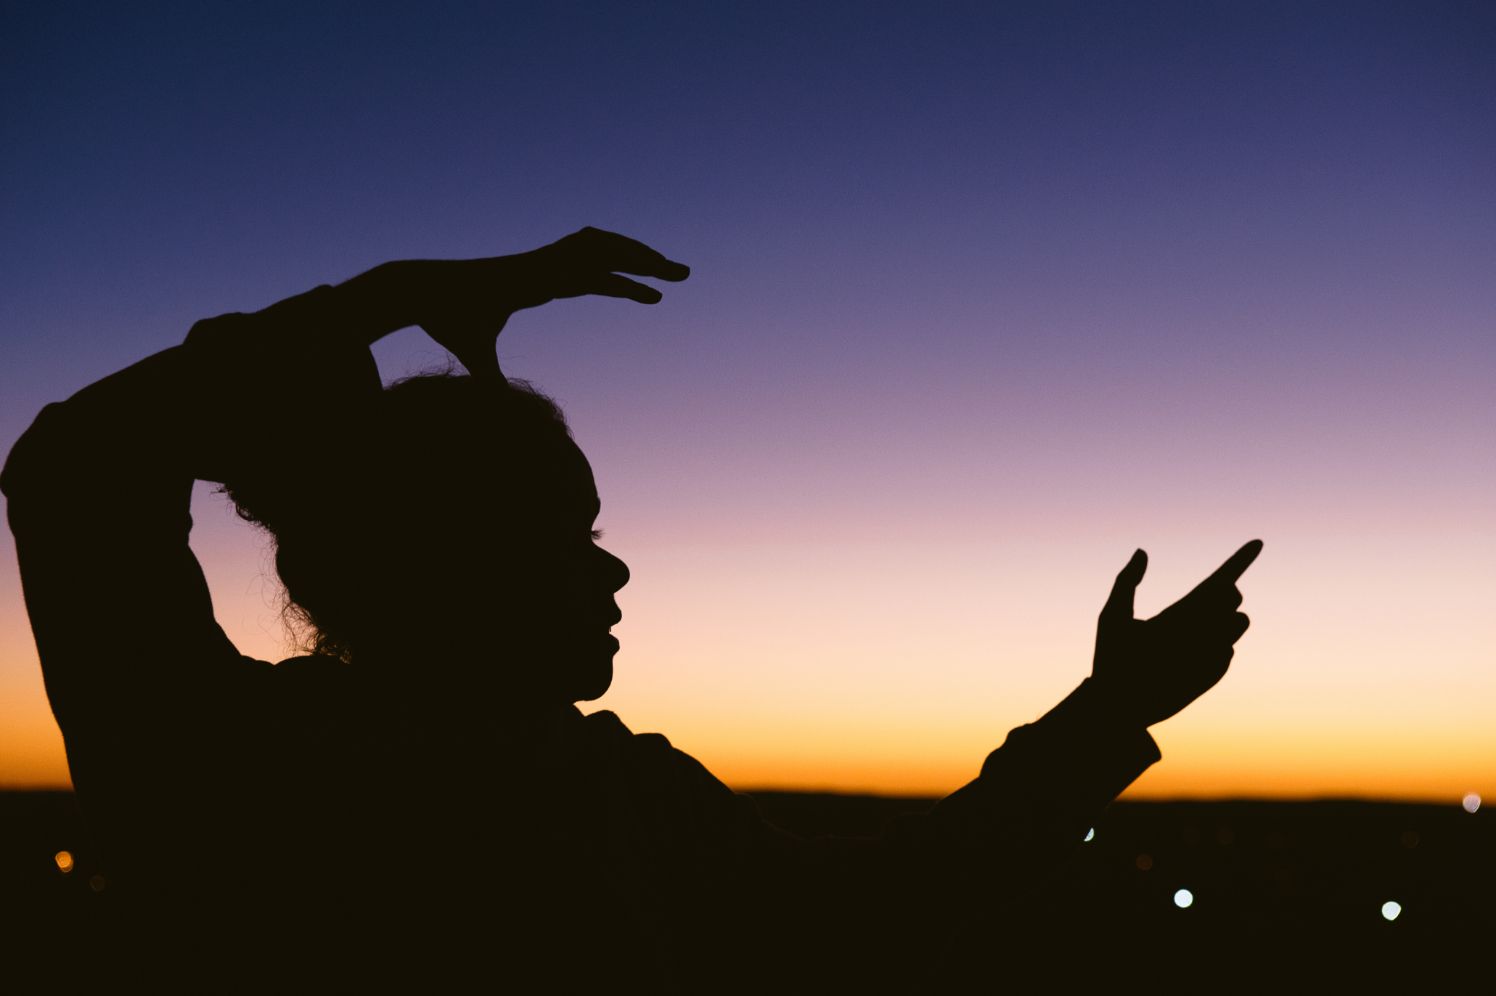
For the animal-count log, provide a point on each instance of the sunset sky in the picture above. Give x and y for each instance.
(984, 297)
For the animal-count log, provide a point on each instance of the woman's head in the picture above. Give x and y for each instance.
(453, 521)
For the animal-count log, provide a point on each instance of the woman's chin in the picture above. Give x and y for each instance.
(595, 686)
(591, 674)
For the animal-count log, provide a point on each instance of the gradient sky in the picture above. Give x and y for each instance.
(984, 297)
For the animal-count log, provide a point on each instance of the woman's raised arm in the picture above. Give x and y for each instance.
(99, 486)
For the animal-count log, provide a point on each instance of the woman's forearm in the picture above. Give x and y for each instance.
(385, 299)
(243, 385)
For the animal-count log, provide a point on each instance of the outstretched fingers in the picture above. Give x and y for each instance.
(613, 285)
(1220, 587)
(1235, 566)
(593, 248)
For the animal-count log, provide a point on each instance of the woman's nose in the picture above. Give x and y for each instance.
(618, 571)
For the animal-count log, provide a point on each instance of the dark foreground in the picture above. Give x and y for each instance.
(1280, 893)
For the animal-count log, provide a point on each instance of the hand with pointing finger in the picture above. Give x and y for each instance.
(1153, 668)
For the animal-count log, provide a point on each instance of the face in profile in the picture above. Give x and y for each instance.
(565, 606)
(525, 584)
(457, 530)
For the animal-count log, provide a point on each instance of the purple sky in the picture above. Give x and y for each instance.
(1052, 279)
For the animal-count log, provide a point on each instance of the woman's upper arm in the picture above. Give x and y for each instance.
(99, 492)
(119, 607)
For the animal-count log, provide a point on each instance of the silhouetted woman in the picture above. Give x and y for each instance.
(419, 802)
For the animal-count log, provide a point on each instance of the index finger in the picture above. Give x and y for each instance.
(621, 254)
(1235, 565)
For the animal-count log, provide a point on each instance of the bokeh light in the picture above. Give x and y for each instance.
(64, 861)
(1471, 802)
(1090, 836)
(1391, 910)
(1144, 862)
(1184, 899)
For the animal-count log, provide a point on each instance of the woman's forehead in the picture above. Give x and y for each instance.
(556, 474)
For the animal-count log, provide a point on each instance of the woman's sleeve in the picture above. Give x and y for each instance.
(896, 907)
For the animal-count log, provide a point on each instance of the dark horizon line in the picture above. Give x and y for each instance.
(1400, 800)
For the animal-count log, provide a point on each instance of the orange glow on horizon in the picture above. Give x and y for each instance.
(981, 301)
(849, 662)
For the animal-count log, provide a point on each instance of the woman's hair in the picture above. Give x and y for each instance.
(353, 511)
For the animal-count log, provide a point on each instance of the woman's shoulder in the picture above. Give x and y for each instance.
(662, 777)
(605, 730)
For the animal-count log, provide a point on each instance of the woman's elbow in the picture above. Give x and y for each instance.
(46, 461)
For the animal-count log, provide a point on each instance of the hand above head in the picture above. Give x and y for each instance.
(464, 304)
(1153, 668)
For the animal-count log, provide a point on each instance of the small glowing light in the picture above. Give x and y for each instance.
(1471, 802)
(1390, 910)
(1184, 899)
(64, 861)
(1144, 862)
(1090, 836)
(97, 883)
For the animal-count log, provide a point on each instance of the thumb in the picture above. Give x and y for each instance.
(1119, 604)
(475, 348)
